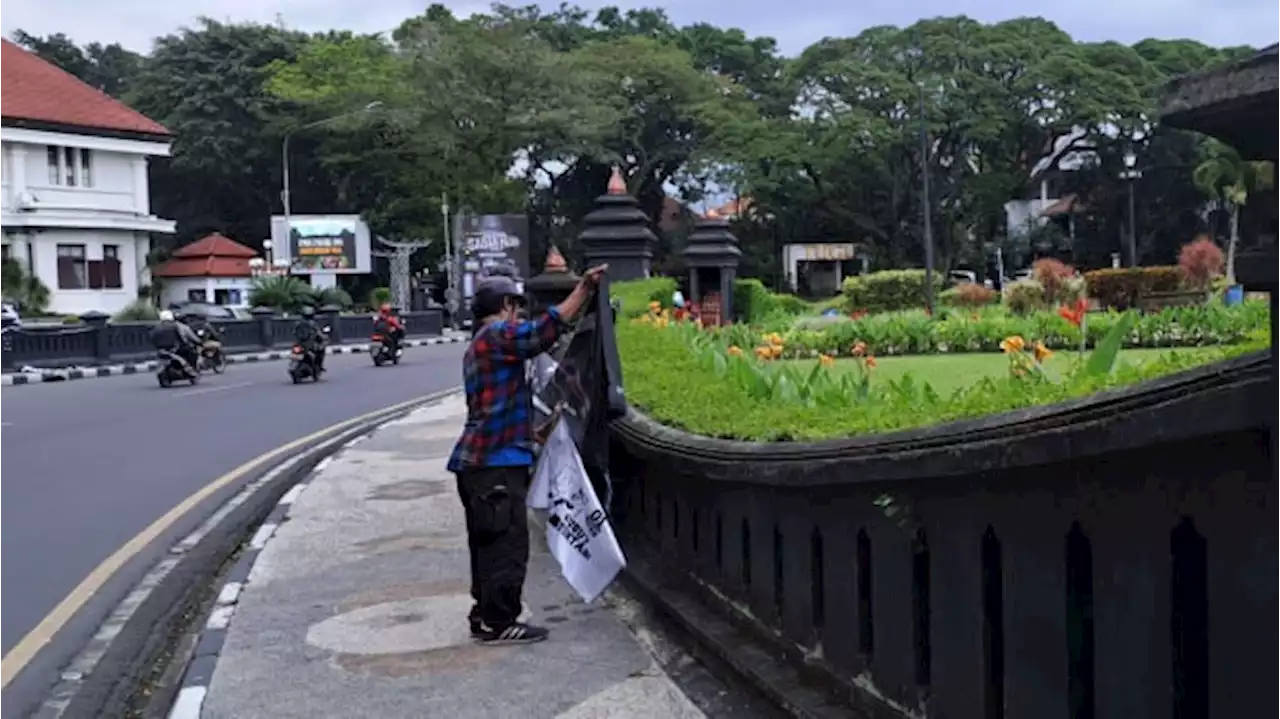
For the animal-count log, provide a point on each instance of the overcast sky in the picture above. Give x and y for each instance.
(794, 23)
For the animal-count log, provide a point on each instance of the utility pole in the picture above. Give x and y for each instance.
(928, 209)
(450, 294)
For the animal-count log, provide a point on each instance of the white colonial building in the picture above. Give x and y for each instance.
(76, 204)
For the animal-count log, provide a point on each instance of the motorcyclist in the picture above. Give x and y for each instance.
(308, 334)
(389, 326)
(199, 323)
(169, 335)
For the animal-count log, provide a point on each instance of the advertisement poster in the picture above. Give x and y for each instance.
(490, 245)
(323, 244)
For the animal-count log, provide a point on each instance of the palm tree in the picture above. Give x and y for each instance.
(1229, 180)
(281, 292)
(24, 289)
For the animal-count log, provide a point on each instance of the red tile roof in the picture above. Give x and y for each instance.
(38, 91)
(213, 256)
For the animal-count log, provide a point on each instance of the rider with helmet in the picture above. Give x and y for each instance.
(169, 335)
(389, 326)
(308, 334)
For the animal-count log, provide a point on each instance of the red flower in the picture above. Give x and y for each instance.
(1074, 312)
(857, 315)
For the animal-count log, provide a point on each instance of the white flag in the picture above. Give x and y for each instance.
(578, 532)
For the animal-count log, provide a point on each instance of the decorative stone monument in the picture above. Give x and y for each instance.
(617, 233)
(553, 285)
(712, 256)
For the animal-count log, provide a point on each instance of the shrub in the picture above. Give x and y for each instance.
(1200, 261)
(1120, 288)
(139, 310)
(71, 319)
(888, 290)
(634, 296)
(752, 301)
(1025, 296)
(970, 295)
(1054, 276)
(283, 293)
(323, 296)
(379, 296)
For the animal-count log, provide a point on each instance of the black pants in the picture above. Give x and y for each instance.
(498, 537)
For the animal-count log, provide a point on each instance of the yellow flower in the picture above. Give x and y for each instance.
(826, 361)
(654, 306)
(763, 352)
(735, 351)
(1012, 344)
(1042, 353)
(774, 338)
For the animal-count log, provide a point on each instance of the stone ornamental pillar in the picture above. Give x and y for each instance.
(712, 255)
(617, 233)
(553, 285)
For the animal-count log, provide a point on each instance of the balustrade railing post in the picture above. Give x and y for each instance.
(328, 316)
(8, 329)
(97, 323)
(266, 329)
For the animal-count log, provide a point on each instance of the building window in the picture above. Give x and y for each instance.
(104, 274)
(195, 296)
(70, 166)
(86, 167)
(73, 267)
(55, 165)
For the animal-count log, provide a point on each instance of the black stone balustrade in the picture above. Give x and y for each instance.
(98, 341)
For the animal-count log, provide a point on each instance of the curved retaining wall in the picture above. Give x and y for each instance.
(1112, 557)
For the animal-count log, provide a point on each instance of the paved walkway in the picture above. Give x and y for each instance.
(356, 607)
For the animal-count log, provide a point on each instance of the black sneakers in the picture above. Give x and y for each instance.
(516, 633)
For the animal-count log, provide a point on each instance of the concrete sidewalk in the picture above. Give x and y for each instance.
(356, 607)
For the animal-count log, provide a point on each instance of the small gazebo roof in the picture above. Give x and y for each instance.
(212, 256)
(1236, 103)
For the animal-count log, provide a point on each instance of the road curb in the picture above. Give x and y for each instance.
(103, 678)
(19, 379)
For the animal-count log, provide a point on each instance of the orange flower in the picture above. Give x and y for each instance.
(857, 315)
(870, 361)
(654, 306)
(1042, 353)
(735, 351)
(1012, 344)
(775, 351)
(826, 361)
(859, 348)
(764, 352)
(1074, 312)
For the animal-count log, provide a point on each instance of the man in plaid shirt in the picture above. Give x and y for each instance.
(494, 455)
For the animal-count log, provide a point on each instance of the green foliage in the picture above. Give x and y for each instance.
(23, 289)
(282, 293)
(888, 290)
(379, 296)
(1104, 355)
(635, 296)
(1024, 297)
(697, 386)
(140, 310)
(903, 333)
(1120, 288)
(324, 296)
(755, 303)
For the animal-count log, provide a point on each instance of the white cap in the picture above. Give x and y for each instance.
(166, 316)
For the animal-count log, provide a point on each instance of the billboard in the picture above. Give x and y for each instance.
(491, 244)
(322, 244)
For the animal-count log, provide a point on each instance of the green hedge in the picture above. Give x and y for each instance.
(1120, 288)
(635, 296)
(888, 290)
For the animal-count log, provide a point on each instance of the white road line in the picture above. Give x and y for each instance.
(324, 463)
(262, 536)
(230, 593)
(190, 701)
(220, 617)
(292, 495)
(206, 390)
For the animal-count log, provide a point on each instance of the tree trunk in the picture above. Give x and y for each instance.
(1231, 244)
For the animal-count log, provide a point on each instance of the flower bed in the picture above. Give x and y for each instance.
(723, 382)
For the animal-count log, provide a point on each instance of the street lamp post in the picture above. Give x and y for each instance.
(1131, 174)
(285, 199)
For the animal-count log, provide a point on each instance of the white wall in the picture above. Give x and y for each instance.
(118, 180)
(43, 259)
(176, 289)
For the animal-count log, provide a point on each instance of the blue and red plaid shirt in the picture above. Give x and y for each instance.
(499, 427)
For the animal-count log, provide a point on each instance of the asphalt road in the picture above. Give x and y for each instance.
(88, 464)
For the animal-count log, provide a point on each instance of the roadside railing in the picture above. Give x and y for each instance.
(98, 341)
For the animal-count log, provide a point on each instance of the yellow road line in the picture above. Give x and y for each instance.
(22, 653)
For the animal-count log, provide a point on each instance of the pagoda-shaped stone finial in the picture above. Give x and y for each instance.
(617, 183)
(617, 233)
(712, 255)
(554, 284)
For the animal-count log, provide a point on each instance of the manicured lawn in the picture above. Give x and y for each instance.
(947, 373)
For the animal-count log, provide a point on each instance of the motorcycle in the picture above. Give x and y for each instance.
(382, 351)
(173, 368)
(302, 365)
(211, 354)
